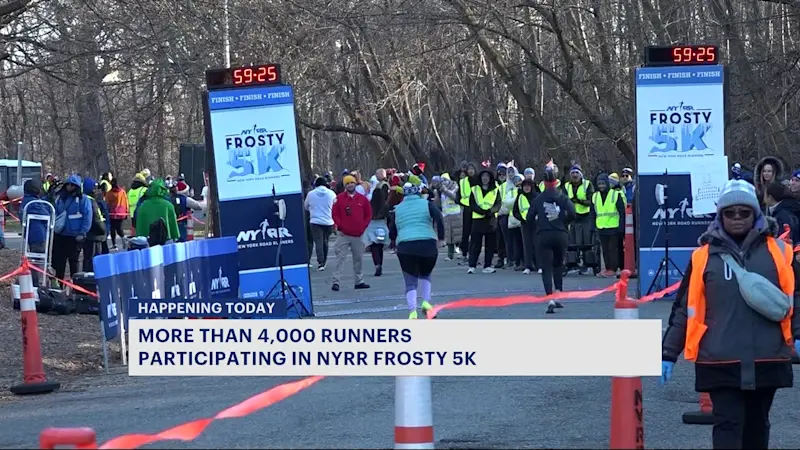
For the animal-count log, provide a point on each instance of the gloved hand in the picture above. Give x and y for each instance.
(666, 371)
(797, 347)
(80, 238)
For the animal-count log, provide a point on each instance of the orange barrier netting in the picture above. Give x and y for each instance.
(191, 430)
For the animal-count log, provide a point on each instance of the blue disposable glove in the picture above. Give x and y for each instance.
(797, 346)
(666, 371)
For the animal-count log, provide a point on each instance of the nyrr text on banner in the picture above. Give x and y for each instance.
(394, 348)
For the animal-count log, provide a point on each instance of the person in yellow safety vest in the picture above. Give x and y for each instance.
(484, 202)
(741, 356)
(513, 236)
(105, 182)
(614, 183)
(525, 197)
(451, 213)
(137, 190)
(502, 176)
(467, 179)
(581, 239)
(609, 208)
(48, 181)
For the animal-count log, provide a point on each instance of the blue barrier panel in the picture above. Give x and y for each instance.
(153, 271)
(194, 289)
(104, 275)
(221, 260)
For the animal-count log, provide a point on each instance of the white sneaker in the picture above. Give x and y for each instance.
(321, 268)
(540, 270)
(526, 272)
(489, 270)
(471, 270)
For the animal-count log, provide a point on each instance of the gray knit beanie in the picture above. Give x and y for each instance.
(738, 192)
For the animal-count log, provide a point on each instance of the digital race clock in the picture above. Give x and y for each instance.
(265, 74)
(681, 55)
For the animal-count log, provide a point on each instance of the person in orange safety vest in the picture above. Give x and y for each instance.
(741, 356)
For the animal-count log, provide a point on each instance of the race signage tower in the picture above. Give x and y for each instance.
(254, 161)
(680, 145)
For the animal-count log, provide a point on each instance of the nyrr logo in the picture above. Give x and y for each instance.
(263, 233)
(684, 211)
(192, 285)
(220, 283)
(175, 291)
(255, 151)
(156, 291)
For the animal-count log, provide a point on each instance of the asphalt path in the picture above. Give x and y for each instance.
(506, 412)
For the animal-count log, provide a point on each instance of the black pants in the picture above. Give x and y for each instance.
(65, 249)
(500, 235)
(416, 265)
(486, 239)
(376, 250)
(551, 247)
(528, 246)
(116, 230)
(514, 246)
(90, 250)
(609, 245)
(466, 230)
(621, 250)
(321, 235)
(741, 418)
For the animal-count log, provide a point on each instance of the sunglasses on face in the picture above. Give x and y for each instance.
(737, 213)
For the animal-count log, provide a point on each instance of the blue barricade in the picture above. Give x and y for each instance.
(203, 269)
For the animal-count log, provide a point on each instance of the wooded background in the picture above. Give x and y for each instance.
(92, 85)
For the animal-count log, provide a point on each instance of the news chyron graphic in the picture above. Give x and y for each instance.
(257, 162)
(386, 347)
(680, 129)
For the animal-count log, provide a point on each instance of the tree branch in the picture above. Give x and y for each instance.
(343, 129)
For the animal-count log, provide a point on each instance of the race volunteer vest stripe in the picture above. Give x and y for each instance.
(606, 212)
(484, 201)
(524, 206)
(464, 190)
(450, 207)
(581, 195)
(696, 295)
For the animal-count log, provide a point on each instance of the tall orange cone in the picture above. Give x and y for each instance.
(627, 402)
(51, 438)
(34, 379)
(702, 417)
(413, 413)
(190, 227)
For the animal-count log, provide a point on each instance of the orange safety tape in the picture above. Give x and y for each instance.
(9, 213)
(16, 272)
(191, 430)
(657, 295)
(73, 286)
(8, 202)
(516, 300)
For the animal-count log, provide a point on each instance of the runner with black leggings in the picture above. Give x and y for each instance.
(418, 228)
(552, 212)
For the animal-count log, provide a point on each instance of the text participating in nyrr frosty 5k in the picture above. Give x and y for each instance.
(395, 348)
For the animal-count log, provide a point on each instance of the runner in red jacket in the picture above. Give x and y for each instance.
(351, 215)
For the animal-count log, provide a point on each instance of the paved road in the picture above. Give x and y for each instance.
(358, 412)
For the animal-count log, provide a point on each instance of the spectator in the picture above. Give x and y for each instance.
(319, 204)
(609, 208)
(376, 237)
(526, 197)
(135, 193)
(769, 169)
(485, 201)
(351, 214)
(156, 217)
(37, 233)
(93, 244)
(118, 208)
(451, 214)
(73, 222)
(784, 209)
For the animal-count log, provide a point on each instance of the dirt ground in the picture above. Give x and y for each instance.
(71, 346)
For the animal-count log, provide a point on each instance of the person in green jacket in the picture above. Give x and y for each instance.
(156, 205)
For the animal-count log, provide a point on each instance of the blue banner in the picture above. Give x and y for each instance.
(257, 162)
(176, 271)
(227, 308)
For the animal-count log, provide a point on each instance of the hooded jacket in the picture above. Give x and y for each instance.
(156, 205)
(319, 204)
(603, 178)
(37, 233)
(787, 212)
(780, 170)
(551, 211)
(136, 192)
(76, 207)
(508, 191)
(740, 349)
(531, 196)
(117, 200)
(489, 221)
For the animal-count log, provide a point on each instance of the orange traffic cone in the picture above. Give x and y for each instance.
(190, 227)
(702, 417)
(34, 379)
(77, 437)
(627, 424)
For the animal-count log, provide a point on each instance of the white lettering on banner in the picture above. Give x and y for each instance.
(264, 236)
(393, 348)
(220, 283)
